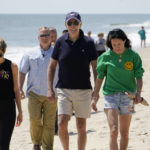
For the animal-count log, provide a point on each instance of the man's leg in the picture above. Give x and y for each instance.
(63, 130)
(112, 117)
(82, 108)
(56, 124)
(124, 131)
(81, 127)
(35, 115)
(49, 116)
(64, 112)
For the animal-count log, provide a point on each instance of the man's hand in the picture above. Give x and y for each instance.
(51, 96)
(22, 94)
(93, 103)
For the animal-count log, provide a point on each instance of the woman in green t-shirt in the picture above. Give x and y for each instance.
(122, 69)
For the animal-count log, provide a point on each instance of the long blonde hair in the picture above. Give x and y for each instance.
(3, 45)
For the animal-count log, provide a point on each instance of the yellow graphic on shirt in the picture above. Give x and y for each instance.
(4, 74)
(128, 65)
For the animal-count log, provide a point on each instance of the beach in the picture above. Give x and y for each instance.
(97, 128)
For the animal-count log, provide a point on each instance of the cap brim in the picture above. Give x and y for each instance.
(73, 18)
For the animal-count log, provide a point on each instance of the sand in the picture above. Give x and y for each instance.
(97, 128)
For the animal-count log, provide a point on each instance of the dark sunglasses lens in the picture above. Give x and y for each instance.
(44, 35)
(76, 23)
(69, 23)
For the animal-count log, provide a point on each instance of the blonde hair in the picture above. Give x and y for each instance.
(100, 34)
(3, 45)
(43, 28)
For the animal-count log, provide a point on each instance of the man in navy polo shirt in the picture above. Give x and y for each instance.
(74, 53)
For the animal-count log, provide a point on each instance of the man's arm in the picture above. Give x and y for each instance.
(21, 83)
(95, 95)
(50, 74)
(94, 64)
(97, 86)
(24, 67)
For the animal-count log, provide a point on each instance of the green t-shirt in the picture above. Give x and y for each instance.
(121, 71)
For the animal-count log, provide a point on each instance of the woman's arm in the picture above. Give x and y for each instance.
(139, 85)
(17, 93)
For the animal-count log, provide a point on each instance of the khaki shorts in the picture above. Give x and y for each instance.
(77, 100)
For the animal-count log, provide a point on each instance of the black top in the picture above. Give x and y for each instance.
(6, 81)
(74, 61)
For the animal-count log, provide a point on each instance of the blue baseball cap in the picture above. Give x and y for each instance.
(73, 15)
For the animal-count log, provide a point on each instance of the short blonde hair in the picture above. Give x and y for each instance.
(41, 28)
(100, 34)
(3, 45)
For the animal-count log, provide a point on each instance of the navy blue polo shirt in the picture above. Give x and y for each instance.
(74, 61)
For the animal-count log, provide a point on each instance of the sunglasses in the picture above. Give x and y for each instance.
(76, 23)
(44, 35)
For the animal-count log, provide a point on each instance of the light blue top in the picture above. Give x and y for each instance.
(35, 63)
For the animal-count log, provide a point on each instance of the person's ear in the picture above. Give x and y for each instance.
(66, 24)
(80, 24)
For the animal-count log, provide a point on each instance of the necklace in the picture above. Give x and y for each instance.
(120, 59)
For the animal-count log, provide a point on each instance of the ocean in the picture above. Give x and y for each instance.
(21, 31)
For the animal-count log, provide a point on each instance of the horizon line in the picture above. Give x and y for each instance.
(80, 13)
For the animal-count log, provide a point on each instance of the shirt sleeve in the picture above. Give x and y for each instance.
(138, 69)
(55, 54)
(24, 64)
(101, 67)
(92, 49)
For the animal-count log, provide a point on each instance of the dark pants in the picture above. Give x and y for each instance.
(7, 122)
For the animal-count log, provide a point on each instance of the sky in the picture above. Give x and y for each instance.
(81, 6)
